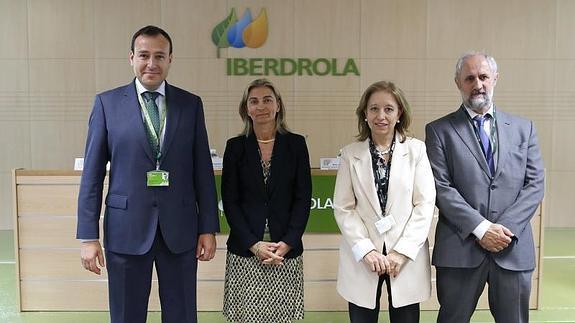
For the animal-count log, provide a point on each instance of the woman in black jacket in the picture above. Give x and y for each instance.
(266, 192)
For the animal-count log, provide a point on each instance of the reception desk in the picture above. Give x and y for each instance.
(50, 277)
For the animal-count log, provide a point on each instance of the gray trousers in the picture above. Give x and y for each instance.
(459, 289)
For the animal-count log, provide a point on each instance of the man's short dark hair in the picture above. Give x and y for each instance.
(151, 31)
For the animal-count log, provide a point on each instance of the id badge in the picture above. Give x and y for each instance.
(158, 178)
(384, 224)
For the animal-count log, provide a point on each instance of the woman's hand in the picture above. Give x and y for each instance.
(282, 249)
(396, 261)
(376, 262)
(266, 252)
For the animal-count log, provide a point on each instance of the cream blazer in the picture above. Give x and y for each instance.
(411, 202)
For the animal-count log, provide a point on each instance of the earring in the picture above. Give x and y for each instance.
(365, 119)
(397, 121)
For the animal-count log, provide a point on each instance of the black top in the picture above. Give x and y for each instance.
(381, 171)
(285, 201)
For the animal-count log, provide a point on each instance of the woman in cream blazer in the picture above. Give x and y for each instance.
(364, 264)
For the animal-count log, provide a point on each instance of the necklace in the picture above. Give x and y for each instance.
(266, 141)
(384, 151)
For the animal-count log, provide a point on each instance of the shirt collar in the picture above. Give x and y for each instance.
(472, 114)
(141, 89)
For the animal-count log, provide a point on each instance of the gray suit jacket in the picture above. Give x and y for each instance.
(467, 194)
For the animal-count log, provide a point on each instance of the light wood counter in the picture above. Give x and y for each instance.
(50, 277)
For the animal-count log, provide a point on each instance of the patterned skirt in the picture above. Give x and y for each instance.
(258, 293)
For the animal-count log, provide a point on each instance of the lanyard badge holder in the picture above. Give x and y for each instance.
(157, 177)
(386, 221)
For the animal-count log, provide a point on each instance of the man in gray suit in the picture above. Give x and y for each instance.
(489, 180)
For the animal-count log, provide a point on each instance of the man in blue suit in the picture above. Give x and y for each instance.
(161, 205)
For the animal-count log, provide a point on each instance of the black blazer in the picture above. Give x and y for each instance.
(286, 201)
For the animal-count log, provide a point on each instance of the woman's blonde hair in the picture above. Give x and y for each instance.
(281, 125)
(402, 127)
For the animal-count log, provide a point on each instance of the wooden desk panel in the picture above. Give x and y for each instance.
(50, 277)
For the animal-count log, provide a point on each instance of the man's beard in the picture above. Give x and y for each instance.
(478, 102)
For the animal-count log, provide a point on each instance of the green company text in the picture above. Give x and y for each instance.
(290, 66)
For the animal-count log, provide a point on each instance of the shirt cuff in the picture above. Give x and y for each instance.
(361, 248)
(480, 230)
(88, 240)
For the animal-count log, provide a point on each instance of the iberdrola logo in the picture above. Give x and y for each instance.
(246, 32)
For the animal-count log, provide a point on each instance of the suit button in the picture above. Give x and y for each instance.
(493, 187)
(155, 204)
(265, 203)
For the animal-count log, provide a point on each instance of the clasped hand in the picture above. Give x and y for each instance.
(381, 264)
(270, 253)
(496, 238)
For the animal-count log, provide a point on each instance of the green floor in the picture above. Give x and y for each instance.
(557, 294)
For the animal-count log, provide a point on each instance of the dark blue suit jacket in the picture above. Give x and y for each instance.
(285, 201)
(133, 212)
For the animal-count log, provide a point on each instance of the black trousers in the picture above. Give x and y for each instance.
(405, 314)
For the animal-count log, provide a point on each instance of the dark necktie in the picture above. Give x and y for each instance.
(485, 142)
(154, 114)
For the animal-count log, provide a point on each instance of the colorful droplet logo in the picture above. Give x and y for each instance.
(256, 33)
(246, 32)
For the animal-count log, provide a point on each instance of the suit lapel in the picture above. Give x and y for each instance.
(254, 162)
(398, 164)
(503, 124)
(364, 172)
(130, 100)
(460, 122)
(173, 111)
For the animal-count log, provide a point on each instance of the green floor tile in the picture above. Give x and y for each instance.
(558, 290)
(6, 246)
(558, 242)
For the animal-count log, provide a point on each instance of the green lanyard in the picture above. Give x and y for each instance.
(150, 126)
